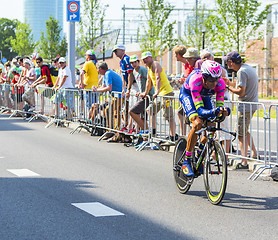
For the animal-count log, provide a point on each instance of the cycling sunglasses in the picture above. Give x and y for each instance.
(210, 78)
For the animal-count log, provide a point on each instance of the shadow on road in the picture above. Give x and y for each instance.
(40, 208)
(249, 203)
(11, 124)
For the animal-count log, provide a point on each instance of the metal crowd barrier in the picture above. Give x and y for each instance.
(108, 111)
(7, 102)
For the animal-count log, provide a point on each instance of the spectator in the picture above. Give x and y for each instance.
(6, 87)
(20, 65)
(112, 82)
(44, 78)
(140, 74)
(158, 78)
(246, 88)
(17, 90)
(128, 78)
(55, 62)
(193, 58)
(88, 79)
(94, 57)
(180, 50)
(63, 83)
(29, 95)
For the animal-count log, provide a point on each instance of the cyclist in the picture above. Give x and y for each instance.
(195, 99)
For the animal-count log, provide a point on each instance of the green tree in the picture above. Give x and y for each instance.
(90, 25)
(237, 21)
(23, 42)
(195, 28)
(7, 32)
(51, 44)
(158, 33)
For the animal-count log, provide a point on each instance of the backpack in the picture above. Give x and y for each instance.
(274, 173)
(53, 72)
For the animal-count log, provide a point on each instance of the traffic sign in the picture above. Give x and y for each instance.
(4, 60)
(73, 11)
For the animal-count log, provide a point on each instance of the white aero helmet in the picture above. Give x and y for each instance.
(211, 69)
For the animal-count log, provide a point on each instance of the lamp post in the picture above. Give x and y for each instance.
(267, 45)
(203, 35)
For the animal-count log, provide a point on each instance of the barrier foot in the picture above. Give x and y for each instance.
(106, 133)
(50, 123)
(263, 168)
(32, 118)
(13, 114)
(80, 127)
(147, 143)
(4, 110)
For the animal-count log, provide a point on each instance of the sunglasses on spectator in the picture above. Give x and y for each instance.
(210, 78)
(38, 62)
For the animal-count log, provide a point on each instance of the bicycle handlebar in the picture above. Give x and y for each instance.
(214, 129)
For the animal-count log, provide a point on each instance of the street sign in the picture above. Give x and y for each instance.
(73, 11)
(4, 60)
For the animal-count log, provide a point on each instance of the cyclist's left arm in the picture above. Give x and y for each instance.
(196, 87)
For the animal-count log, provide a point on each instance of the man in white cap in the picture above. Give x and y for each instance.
(88, 79)
(158, 78)
(140, 74)
(127, 75)
(64, 82)
(126, 68)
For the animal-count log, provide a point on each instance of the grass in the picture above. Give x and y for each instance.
(261, 112)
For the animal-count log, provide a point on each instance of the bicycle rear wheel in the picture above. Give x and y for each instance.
(183, 183)
(215, 173)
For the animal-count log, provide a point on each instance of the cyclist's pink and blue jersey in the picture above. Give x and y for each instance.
(195, 98)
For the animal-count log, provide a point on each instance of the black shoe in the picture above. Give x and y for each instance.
(173, 139)
(240, 166)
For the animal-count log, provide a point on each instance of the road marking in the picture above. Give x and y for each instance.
(2, 157)
(23, 172)
(97, 209)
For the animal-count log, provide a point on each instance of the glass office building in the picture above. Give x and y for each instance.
(36, 12)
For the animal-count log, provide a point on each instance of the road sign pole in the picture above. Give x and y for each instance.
(73, 15)
(71, 50)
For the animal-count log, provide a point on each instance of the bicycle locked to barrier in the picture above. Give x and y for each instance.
(211, 162)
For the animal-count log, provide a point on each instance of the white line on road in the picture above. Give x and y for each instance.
(23, 172)
(97, 209)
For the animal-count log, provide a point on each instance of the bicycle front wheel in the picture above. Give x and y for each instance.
(215, 173)
(183, 183)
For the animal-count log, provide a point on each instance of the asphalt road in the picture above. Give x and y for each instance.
(139, 185)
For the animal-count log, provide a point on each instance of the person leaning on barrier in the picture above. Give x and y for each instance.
(140, 74)
(17, 89)
(6, 86)
(44, 78)
(28, 79)
(246, 88)
(112, 82)
(88, 79)
(63, 87)
(179, 51)
(158, 78)
(129, 83)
